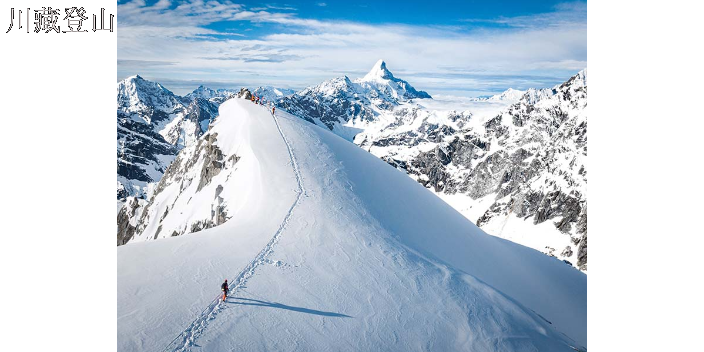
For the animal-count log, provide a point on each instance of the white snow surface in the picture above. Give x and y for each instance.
(331, 249)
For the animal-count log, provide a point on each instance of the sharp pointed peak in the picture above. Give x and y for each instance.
(379, 71)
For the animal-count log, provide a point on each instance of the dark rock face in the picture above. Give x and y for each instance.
(139, 151)
(484, 172)
(244, 93)
(213, 160)
(125, 227)
(582, 253)
(121, 191)
(398, 164)
(202, 112)
(201, 225)
(567, 252)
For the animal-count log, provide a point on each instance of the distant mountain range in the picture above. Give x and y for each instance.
(513, 163)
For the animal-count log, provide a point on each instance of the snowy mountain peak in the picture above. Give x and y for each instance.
(202, 88)
(142, 85)
(583, 75)
(383, 81)
(341, 101)
(379, 72)
(202, 92)
(331, 88)
(139, 82)
(508, 95)
(136, 94)
(579, 79)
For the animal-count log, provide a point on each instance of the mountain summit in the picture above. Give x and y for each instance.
(381, 79)
(346, 106)
(378, 71)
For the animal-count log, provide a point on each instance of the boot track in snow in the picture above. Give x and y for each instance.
(188, 337)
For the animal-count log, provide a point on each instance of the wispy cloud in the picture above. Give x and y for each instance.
(564, 14)
(143, 63)
(271, 57)
(285, 7)
(297, 51)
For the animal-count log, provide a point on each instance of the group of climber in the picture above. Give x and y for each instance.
(261, 101)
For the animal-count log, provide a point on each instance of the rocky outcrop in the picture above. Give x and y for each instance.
(212, 159)
(244, 93)
(582, 249)
(582, 253)
(142, 155)
(126, 218)
(194, 168)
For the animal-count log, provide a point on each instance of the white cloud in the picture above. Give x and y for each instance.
(162, 4)
(564, 14)
(306, 51)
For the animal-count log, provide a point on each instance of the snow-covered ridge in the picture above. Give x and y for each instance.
(364, 253)
(476, 156)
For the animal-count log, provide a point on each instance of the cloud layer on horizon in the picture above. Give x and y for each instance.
(178, 42)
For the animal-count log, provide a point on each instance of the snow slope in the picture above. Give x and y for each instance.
(507, 146)
(328, 248)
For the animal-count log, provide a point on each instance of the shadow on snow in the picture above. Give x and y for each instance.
(254, 302)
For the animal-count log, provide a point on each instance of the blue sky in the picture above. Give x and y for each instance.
(464, 48)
